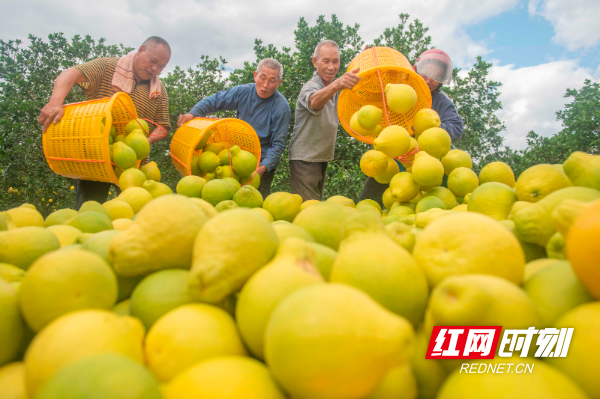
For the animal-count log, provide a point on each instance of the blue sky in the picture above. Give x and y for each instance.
(538, 48)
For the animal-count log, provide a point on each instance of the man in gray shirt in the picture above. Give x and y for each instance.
(313, 140)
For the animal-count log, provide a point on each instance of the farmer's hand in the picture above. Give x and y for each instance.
(51, 113)
(183, 119)
(261, 170)
(349, 79)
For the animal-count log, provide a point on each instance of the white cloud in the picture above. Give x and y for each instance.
(575, 22)
(228, 28)
(531, 96)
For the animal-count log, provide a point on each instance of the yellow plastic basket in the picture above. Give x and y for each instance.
(77, 148)
(187, 137)
(378, 67)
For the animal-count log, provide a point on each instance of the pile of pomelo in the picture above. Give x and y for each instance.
(213, 292)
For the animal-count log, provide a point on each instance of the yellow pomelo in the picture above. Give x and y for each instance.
(226, 377)
(226, 206)
(324, 222)
(223, 157)
(555, 248)
(208, 210)
(118, 138)
(77, 335)
(137, 124)
(11, 273)
(106, 375)
(461, 208)
(93, 206)
(427, 171)
(11, 326)
(401, 211)
(158, 294)
(122, 224)
(427, 203)
(565, 214)
(322, 325)
(285, 230)
(402, 235)
(308, 203)
(492, 199)
(214, 147)
(244, 162)
(462, 181)
(497, 172)
(408, 160)
(581, 362)
(554, 291)
(387, 198)
(216, 274)
(59, 217)
(293, 267)
(123, 308)
(435, 141)
(543, 383)
(187, 335)
(354, 125)
(131, 178)
(429, 373)
(373, 163)
(136, 197)
(425, 119)
(340, 199)
(517, 206)
(386, 176)
(255, 182)
(583, 169)
(466, 199)
(79, 278)
(66, 235)
(21, 247)
(25, 216)
(394, 280)
(139, 143)
(144, 247)
(217, 190)
(468, 242)
(151, 171)
(91, 222)
(531, 251)
(444, 194)
(157, 189)
(583, 250)
(534, 224)
(124, 156)
(209, 161)
(393, 141)
(283, 206)
(456, 159)
(191, 186)
(225, 171)
(399, 383)
(12, 381)
(248, 197)
(195, 167)
(369, 116)
(538, 181)
(400, 98)
(478, 299)
(264, 213)
(369, 202)
(535, 266)
(118, 209)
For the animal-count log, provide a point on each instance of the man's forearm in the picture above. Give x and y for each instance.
(63, 85)
(157, 134)
(320, 98)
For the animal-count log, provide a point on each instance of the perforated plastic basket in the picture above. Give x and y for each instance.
(77, 148)
(188, 136)
(378, 67)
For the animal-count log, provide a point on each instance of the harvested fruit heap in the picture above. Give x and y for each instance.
(214, 293)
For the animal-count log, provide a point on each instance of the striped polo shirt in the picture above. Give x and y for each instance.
(99, 73)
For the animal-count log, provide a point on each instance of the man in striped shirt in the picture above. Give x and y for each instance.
(95, 78)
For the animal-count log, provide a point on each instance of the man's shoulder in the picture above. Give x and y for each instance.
(282, 102)
(104, 61)
(314, 82)
(442, 95)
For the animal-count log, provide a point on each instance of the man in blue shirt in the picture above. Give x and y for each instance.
(260, 105)
(435, 67)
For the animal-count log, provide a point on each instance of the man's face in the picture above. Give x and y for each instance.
(327, 63)
(431, 69)
(267, 81)
(150, 61)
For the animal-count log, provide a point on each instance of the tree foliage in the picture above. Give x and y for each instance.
(27, 74)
